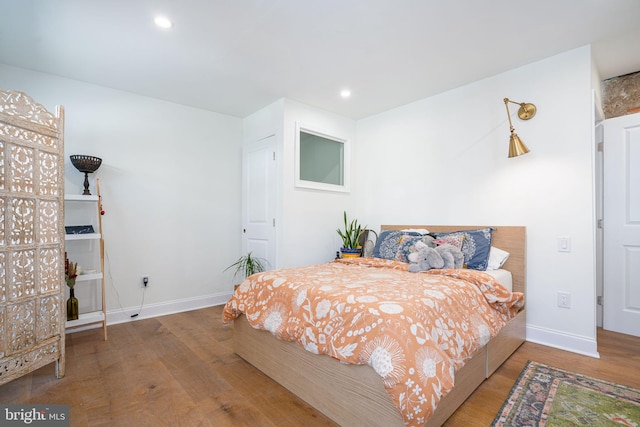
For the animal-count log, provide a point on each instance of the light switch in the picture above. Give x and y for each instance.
(564, 244)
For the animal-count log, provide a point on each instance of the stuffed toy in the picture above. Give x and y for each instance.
(425, 258)
(429, 240)
(451, 256)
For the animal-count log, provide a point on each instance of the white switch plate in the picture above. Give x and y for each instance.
(564, 244)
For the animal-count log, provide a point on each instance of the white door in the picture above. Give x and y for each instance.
(622, 224)
(258, 202)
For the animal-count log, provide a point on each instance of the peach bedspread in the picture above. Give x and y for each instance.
(414, 329)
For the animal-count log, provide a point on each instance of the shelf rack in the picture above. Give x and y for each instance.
(98, 316)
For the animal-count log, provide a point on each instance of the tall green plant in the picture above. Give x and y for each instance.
(248, 265)
(351, 232)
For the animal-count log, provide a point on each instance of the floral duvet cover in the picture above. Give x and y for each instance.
(414, 329)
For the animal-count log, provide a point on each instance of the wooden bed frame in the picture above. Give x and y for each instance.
(354, 394)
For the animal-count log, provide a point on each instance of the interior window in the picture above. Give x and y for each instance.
(321, 160)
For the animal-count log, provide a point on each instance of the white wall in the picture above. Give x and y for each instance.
(311, 217)
(170, 181)
(443, 160)
(307, 219)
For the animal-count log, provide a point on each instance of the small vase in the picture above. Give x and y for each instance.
(351, 252)
(72, 306)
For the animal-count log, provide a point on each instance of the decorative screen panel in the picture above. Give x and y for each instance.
(49, 261)
(2, 178)
(2, 222)
(21, 326)
(49, 218)
(22, 221)
(3, 282)
(2, 331)
(21, 273)
(49, 322)
(48, 174)
(21, 169)
(32, 309)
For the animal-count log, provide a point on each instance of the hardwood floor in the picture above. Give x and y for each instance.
(180, 370)
(619, 362)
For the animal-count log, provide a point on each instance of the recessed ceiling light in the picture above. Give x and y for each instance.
(163, 22)
(345, 93)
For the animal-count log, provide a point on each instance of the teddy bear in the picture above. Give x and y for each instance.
(452, 256)
(425, 258)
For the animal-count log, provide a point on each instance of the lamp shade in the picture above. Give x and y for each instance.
(516, 146)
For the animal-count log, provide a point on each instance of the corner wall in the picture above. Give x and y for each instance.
(311, 217)
(306, 219)
(170, 180)
(443, 160)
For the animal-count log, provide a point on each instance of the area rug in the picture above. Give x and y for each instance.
(547, 396)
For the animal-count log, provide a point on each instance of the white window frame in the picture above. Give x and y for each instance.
(313, 130)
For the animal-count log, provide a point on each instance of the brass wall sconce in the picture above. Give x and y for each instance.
(525, 112)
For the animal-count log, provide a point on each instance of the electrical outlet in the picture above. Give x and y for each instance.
(145, 281)
(564, 299)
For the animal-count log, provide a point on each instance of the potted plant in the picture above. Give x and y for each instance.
(247, 265)
(352, 230)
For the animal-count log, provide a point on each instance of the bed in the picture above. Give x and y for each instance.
(355, 394)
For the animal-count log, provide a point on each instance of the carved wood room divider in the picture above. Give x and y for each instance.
(32, 285)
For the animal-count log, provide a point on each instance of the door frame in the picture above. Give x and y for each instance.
(268, 142)
(599, 226)
(607, 297)
(597, 139)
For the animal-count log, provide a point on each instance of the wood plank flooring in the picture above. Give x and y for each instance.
(180, 370)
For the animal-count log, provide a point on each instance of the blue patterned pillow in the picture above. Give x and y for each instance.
(389, 242)
(475, 247)
(407, 246)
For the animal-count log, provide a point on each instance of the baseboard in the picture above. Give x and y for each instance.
(563, 341)
(163, 308)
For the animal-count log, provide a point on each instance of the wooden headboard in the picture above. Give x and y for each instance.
(509, 238)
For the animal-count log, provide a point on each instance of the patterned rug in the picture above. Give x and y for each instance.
(546, 396)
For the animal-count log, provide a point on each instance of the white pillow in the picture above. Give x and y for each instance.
(416, 230)
(497, 257)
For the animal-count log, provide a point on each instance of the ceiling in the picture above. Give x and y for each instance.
(237, 56)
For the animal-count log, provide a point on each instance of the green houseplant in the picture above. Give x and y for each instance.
(247, 265)
(349, 235)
